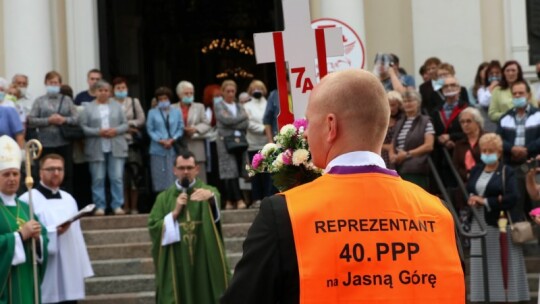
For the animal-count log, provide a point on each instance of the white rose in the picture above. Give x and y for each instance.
(287, 129)
(278, 163)
(268, 149)
(300, 156)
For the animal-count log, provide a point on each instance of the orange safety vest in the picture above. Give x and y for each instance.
(373, 238)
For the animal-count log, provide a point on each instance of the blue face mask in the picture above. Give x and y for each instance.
(489, 159)
(53, 89)
(218, 99)
(494, 78)
(120, 94)
(437, 84)
(2, 95)
(519, 102)
(164, 104)
(187, 99)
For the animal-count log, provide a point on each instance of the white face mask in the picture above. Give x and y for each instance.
(23, 91)
(451, 93)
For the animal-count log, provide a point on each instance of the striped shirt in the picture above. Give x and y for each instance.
(405, 130)
(520, 130)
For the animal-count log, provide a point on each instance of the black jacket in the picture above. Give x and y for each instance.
(495, 188)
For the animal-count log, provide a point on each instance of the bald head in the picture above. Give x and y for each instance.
(355, 103)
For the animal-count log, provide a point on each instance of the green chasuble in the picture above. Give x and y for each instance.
(17, 282)
(194, 270)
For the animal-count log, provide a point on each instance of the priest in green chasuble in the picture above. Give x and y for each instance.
(187, 247)
(16, 232)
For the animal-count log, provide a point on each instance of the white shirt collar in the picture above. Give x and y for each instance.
(9, 200)
(356, 158)
(54, 191)
(179, 187)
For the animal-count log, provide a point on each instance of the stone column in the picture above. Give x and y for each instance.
(82, 41)
(28, 41)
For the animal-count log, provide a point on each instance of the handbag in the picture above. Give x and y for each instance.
(70, 132)
(235, 144)
(522, 231)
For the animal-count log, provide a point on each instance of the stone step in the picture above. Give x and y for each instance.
(235, 230)
(533, 279)
(114, 222)
(124, 298)
(233, 244)
(116, 236)
(532, 264)
(238, 216)
(119, 251)
(120, 284)
(121, 267)
(233, 259)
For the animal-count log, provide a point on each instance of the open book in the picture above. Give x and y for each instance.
(84, 211)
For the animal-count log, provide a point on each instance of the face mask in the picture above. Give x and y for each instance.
(489, 159)
(494, 78)
(23, 91)
(10, 97)
(519, 102)
(2, 95)
(164, 104)
(437, 84)
(53, 89)
(120, 94)
(187, 99)
(257, 94)
(218, 99)
(450, 94)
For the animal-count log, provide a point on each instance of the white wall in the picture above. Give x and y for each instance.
(450, 30)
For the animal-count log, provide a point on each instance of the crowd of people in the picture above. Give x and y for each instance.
(490, 133)
(104, 137)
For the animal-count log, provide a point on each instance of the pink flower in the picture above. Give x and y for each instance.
(300, 123)
(257, 160)
(287, 157)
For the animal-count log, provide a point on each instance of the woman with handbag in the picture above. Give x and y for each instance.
(493, 188)
(106, 149)
(232, 122)
(49, 114)
(165, 127)
(133, 169)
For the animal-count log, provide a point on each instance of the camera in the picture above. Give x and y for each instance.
(529, 165)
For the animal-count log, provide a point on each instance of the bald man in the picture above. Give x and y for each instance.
(359, 233)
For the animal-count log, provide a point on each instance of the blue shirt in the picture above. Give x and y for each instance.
(83, 96)
(156, 126)
(271, 112)
(10, 123)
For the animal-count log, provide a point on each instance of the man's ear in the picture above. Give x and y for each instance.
(332, 128)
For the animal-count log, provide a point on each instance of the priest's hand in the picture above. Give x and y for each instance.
(61, 229)
(31, 229)
(201, 195)
(181, 201)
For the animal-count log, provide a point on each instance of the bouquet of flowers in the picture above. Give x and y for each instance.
(288, 160)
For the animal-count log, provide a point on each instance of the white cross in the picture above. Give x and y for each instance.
(300, 46)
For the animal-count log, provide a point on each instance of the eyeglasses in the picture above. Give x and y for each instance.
(188, 168)
(52, 169)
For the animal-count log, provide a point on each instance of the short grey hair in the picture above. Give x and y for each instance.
(18, 75)
(475, 113)
(101, 84)
(412, 94)
(182, 85)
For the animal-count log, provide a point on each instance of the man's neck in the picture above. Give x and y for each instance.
(53, 189)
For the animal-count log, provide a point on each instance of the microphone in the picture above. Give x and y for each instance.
(185, 184)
